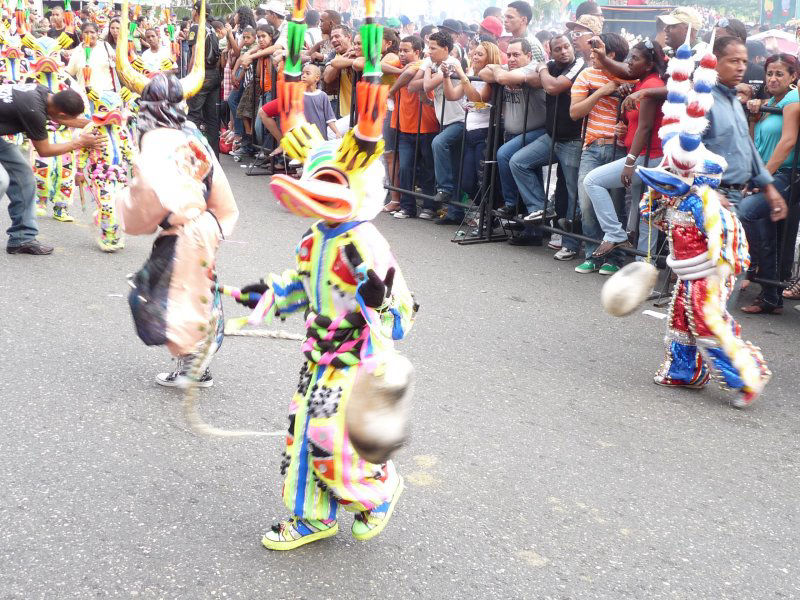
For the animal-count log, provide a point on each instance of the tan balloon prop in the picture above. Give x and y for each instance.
(377, 410)
(628, 288)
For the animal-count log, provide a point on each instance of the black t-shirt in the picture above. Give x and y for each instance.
(56, 33)
(23, 109)
(566, 128)
(212, 45)
(755, 77)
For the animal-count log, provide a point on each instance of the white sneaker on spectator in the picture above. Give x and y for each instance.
(539, 215)
(427, 214)
(402, 214)
(565, 254)
(555, 242)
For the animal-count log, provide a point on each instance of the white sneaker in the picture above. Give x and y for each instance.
(555, 242)
(179, 377)
(402, 214)
(427, 214)
(565, 254)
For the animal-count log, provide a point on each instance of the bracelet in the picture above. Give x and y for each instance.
(631, 156)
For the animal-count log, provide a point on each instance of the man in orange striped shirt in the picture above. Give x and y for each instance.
(592, 97)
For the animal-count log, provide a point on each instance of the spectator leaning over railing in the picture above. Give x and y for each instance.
(477, 94)
(447, 144)
(639, 128)
(520, 128)
(338, 73)
(592, 97)
(406, 119)
(775, 138)
(562, 138)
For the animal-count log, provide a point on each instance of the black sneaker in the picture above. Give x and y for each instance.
(180, 378)
(442, 197)
(506, 212)
(30, 247)
(525, 240)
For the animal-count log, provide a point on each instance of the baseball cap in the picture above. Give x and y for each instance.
(452, 25)
(393, 23)
(683, 14)
(591, 23)
(493, 25)
(404, 20)
(275, 6)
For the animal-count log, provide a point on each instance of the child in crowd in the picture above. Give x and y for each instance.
(316, 108)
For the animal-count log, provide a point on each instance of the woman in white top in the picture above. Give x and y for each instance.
(103, 75)
(476, 94)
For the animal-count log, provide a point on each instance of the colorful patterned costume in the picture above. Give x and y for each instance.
(107, 169)
(13, 69)
(336, 260)
(708, 248)
(55, 175)
(13, 64)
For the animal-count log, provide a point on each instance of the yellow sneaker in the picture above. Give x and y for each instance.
(370, 523)
(296, 532)
(61, 214)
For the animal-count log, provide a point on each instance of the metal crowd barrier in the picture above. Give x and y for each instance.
(488, 188)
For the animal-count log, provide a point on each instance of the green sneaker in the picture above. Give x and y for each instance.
(608, 269)
(296, 532)
(587, 266)
(370, 523)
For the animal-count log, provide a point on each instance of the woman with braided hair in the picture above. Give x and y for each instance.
(179, 187)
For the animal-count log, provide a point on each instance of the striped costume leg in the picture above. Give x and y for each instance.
(322, 469)
(736, 363)
(684, 364)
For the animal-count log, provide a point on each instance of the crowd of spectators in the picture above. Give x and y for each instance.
(576, 101)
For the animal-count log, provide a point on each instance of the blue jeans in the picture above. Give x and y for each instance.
(526, 166)
(405, 169)
(233, 101)
(598, 183)
(16, 180)
(504, 154)
(753, 212)
(594, 156)
(446, 156)
(474, 150)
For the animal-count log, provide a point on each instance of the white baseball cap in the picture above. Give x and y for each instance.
(275, 6)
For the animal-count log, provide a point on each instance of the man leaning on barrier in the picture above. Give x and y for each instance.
(446, 145)
(521, 127)
(593, 98)
(561, 141)
(416, 125)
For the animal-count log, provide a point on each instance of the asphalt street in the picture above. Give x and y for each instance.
(543, 462)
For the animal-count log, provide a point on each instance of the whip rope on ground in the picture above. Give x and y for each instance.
(200, 427)
(193, 418)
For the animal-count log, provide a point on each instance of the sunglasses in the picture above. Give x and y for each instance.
(575, 34)
(723, 23)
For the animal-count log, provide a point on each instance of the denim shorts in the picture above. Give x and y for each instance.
(389, 133)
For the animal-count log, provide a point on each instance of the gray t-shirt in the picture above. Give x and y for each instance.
(514, 106)
(453, 111)
(318, 111)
